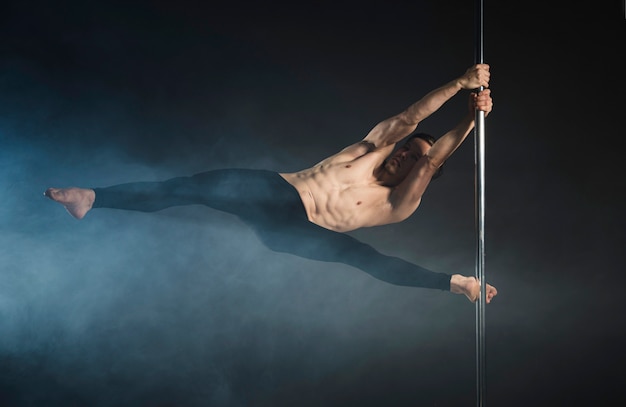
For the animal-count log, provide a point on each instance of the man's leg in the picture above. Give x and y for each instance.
(235, 191)
(302, 238)
(274, 210)
(310, 241)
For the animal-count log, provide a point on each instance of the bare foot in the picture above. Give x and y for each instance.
(470, 287)
(77, 201)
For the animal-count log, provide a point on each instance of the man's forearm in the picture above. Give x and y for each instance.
(474, 77)
(395, 128)
(431, 102)
(449, 142)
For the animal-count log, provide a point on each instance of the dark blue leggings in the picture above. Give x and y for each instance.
(274, 210)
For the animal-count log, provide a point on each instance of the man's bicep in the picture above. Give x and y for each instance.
(407, 195)
(390, 131)
(447, 144)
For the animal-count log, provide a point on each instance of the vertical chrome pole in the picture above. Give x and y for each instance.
(479, 161)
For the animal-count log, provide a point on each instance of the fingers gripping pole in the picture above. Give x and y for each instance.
(479, 153)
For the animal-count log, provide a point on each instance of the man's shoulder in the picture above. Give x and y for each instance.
(358, 149)
(364, 147)
(361, 151)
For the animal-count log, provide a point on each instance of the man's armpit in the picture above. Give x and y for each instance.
(358, 149)
(367, 144)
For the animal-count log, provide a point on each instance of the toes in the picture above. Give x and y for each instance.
(48, 192)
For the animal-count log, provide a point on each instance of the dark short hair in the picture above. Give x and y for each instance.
(430, 140)
(424, 136)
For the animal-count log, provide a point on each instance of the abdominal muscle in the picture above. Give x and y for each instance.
(341, 196)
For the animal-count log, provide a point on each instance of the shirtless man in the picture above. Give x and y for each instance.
(307, 213)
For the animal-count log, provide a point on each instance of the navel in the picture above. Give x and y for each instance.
(359, 203)
(348, 166)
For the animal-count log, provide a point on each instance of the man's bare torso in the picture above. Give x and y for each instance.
(342, 192)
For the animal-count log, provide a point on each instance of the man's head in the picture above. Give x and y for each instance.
(400, 162)
(424, 136)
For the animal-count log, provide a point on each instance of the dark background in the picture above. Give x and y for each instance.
(185, 307)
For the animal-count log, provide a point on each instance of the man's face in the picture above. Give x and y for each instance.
(404, 158)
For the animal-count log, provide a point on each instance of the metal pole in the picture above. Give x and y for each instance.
(479, 153)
